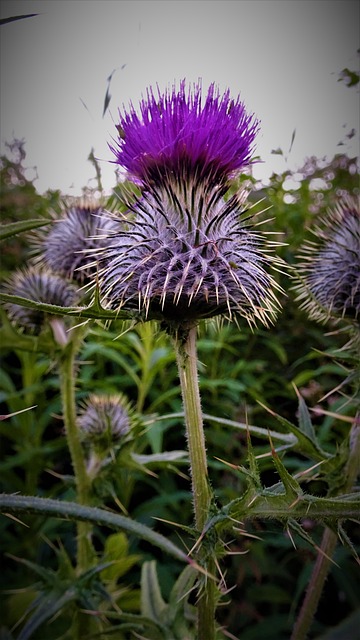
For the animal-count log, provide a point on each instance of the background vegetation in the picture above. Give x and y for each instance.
(241, 373)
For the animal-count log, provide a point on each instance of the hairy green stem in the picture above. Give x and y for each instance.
(186, 355)
(328, 545)
(31, 435)
(85, 553)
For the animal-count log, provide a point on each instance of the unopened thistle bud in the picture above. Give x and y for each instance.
(70, 247)
(185, 251)
(38, 286)
(105, 420)
(329, 266)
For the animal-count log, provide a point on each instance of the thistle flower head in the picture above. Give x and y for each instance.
(178, 132)
(70, 248)
(185, 251)
(329, 267)
(105, 419)
(39, 286)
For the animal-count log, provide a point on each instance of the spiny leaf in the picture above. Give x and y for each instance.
(293, 524)
(280, 506)
(291, 485)
(345, 540)
(253, 465)
(92, 311)
(305, 423)
(257, 431)
(11, 338)
(305, 444)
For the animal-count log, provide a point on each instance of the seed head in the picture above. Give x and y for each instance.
(329, 267)
(39, 286)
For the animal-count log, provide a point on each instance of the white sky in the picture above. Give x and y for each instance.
(282, 56)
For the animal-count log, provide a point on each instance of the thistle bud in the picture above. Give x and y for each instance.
(105, 419)
(329, 266)
(38, 286)
(71, 247)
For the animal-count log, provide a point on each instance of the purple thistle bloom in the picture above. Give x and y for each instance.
(185, 252)
(70, 248)
(179, 133)
(329, 270)
(39, 286)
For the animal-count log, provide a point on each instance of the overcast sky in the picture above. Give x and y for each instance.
(283, 57)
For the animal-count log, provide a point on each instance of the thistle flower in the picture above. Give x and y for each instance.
(71, 246)
(105, 419)
(39, 286)
(185, 252)
(329, 267)
(177, 134)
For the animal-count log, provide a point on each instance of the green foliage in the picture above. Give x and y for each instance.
(278, 408)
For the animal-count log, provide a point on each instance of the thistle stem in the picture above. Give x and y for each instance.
(328, 545)
(186, 355)
(85, 553)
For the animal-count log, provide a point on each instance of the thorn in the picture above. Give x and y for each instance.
(319, 550)
(9, 515)
(332, 414)
(294, 503)
(245, 533)
(228, 464)
(290, 536)
(15, 413)
(273, 451)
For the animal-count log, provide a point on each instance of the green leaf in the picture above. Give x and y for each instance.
(280, 506)
(12, 338)
(152, 604)
(48, 576)
(179, 612)
(291, 485)
(49, 605)
(73, 511)
(166, 456)
(257, 431)
(305, 444)
(14, 228)
(183, 584)
(92, 311)
(116, 552)
(305, 423)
